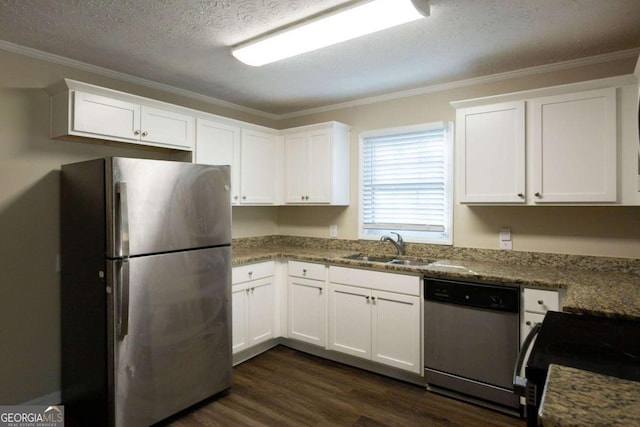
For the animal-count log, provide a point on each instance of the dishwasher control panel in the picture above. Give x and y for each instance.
(502, 298)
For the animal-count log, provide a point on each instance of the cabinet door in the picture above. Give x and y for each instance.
(350, 320)
(307, 310)
(491, 144)
(529, 320)
(261, 310)
(319, 167)
(105, 117)
(396, 330)
(258, 151)
(219, 144)
(295, 158)
(167, 128)
(575, 147)
(239, 317)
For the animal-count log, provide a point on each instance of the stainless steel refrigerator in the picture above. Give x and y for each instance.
(146, 288)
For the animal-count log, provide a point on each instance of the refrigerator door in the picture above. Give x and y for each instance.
(160, 206)
(176, 348)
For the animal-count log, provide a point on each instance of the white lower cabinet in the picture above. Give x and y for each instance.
(536, 302)
(307, 302)
(253, 305)
(368, 321)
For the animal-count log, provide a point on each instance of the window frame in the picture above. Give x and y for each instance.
(428, 237)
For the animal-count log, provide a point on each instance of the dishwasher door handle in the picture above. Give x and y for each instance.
(519, 382)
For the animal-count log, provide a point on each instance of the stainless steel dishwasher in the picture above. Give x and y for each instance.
(471, 341)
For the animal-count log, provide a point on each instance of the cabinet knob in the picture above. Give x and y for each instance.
(373, 299)
(252, 289)
(136, 132)
(145, 133)
(250, 274)
(538, 195)
(244, 197)
(521, 195)
(528, 323)
(304, 271)
(320, 291)
(235, 197)
(540, 302)
(301, 197)
(306, 197)
(367, 297)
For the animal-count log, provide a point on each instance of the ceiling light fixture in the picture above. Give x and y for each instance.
(337, 26)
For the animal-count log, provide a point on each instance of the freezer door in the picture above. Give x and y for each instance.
(160, 206)
(176, 348)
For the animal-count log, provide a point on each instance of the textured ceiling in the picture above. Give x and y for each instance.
(185, 43)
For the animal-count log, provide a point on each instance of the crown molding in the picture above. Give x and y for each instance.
(558, 66)
(540, 69)
(44, 56)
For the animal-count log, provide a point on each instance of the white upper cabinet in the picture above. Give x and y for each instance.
(260, 160)
(79, 110)
(574, 147)
(558, 149)
(316, 161)
(491, 140)
(219, 144)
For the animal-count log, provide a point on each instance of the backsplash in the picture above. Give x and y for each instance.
(439, 252)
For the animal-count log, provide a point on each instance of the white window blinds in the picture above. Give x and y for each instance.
(405, 182)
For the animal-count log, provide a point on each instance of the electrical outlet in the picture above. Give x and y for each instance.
(333, 230)
(505, 239)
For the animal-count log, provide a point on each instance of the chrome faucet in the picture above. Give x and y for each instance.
(399, 244)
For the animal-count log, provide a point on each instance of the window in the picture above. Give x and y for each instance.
(405, 183)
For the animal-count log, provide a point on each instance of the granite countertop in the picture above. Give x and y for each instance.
(573, 397)
(613, 294)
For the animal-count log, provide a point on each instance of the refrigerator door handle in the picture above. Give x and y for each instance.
(123, 318)
(123, 219)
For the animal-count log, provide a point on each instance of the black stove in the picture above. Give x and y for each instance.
(609, 346)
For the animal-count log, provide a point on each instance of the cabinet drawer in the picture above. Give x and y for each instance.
(245, 273)
(540, 300)
(389, 282)
(308, 270)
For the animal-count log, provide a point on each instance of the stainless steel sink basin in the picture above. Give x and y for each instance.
(363, 257)
(387, 260)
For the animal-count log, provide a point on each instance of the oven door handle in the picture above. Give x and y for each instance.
(520, 383)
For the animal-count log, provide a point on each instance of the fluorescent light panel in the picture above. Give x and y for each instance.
(343, 25)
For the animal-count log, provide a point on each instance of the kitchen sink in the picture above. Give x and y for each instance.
(363, 257)
(387, 260)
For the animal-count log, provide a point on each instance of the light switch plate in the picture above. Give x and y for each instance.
(505, 234)
(333, 230)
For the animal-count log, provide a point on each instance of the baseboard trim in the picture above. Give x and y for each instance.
(54, 398)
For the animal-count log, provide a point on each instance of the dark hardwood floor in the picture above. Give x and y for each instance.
(284, 387)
